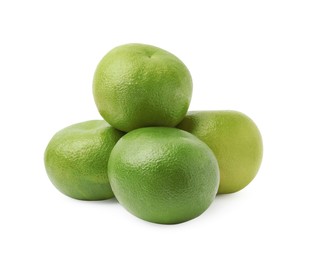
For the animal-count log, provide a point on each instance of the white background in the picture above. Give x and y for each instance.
(251, 56)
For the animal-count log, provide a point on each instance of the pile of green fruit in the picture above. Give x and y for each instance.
(162, 164)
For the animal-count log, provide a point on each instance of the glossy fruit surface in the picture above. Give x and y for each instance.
(236, 142)
(139, 85)
(163, 175)
(76, 159)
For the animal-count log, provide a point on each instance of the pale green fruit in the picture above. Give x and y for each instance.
(236, 142)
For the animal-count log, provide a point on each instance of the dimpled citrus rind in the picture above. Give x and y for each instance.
(139, 85)
(163, 175)
(76, 159)
(236, 142)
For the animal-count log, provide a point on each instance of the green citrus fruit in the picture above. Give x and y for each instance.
(138, 85)
(163, 175)
(236, 142)
(76, 159)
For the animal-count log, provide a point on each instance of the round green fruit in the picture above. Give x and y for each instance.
(236, 142)
(138, 85)
(76, 159)
(163, 175)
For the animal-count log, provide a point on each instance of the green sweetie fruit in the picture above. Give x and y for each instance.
(163, 175)
(236, 142)
(139, 85)
(76, 159)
